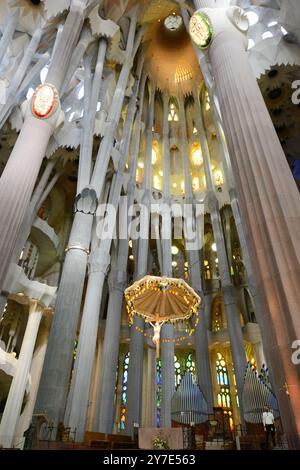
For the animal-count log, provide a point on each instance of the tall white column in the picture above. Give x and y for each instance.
(269, 203)
(35, 373)
(86, 347)
(15, 397)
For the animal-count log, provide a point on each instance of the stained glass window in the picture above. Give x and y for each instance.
(190, 364)
(173, 116)
(124, 391)
(223, 396)
(177, 371)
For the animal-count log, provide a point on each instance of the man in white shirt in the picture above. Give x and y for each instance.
(269, 427)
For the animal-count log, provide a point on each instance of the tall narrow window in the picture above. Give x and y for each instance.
(190, 364)
(177, 371)
(224, 397)
(173, 115)
(124, 391)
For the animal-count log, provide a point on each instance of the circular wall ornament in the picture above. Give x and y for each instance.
(173, 22)
(201, 30)
(44, 100)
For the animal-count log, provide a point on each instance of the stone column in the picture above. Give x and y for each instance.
(135, 370)
(3, 301)
(167, 373)
(8, 33)
(150, 412)
(86, 148)
(269, 203)
(82, 375)
(201, 332)
(100, 257)
(232, 313)
(35, 373)
(117, 284)
(166, 217)
(167, 331)
(71, 287)
(109, 363)
(15, 397)
(56, 372)
(20, 173)
(107, 142)
(94, 393)
(135, 375)
(147, 186)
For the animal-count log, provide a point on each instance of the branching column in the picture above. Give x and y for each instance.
(53, 389)
(18, 178)
(117, 284)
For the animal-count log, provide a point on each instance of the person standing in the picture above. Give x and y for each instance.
(269, 426)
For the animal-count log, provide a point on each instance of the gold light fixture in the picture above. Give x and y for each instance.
(174, 250)
(219, 180)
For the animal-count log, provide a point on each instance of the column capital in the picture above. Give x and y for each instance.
(86, 201)
(99, 262)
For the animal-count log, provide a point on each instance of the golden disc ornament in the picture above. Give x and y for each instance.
(201, 30)
(44, 101)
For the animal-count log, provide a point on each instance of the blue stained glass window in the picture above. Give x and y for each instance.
(124, 391)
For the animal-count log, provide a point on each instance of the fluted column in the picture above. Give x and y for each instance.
(269, 203)
(18, 386)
